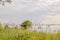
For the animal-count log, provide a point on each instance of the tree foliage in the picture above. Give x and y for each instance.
(6, 26)
(5, 1)
(26, 24)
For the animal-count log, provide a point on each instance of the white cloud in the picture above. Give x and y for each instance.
(52, 19)
(29, 9)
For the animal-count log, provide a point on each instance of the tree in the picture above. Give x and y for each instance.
(6, 26)
(5, 1)
(26, 24)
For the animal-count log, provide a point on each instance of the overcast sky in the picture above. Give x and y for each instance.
(34, 10)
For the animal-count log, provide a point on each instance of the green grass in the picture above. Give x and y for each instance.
(18, 34)
(24, 34)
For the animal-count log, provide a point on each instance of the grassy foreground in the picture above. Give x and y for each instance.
(24, 34)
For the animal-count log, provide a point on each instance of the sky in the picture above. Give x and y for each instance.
(38, 11)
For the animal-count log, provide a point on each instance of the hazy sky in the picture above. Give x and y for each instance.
(35, 10)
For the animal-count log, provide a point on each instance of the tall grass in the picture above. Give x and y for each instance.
(25, 34)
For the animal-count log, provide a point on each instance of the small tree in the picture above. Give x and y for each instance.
(26, 24)
(6, 26)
